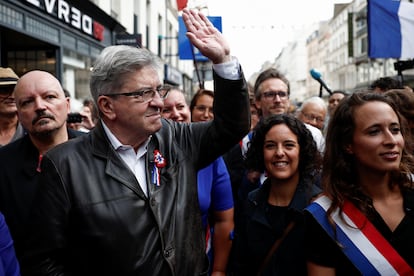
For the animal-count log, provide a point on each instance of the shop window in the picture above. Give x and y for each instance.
(76, 74)
(11, 17)
(24, 61)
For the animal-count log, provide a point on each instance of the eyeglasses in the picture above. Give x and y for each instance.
(144, 95)
(203, 108)
(271, 95)
(311, 117)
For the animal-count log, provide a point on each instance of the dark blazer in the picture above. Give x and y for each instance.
(92, 218)
(18, 184)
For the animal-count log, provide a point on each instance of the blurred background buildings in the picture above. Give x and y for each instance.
(64, 37)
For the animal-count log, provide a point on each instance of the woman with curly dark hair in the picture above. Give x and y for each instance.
(364, 223)
(283, 147)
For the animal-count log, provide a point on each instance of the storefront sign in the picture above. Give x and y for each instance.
(63, 11)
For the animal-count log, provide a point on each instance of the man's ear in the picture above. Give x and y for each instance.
(106, 106)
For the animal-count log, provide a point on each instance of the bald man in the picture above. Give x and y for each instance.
(42, 109)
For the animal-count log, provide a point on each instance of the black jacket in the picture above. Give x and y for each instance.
(18, 184)
(257, 232)
(93, 218)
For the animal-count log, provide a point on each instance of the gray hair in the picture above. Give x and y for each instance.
(314, 100)
(113, 63)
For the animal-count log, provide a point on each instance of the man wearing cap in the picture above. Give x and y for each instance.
(42, 110)
(10, 128)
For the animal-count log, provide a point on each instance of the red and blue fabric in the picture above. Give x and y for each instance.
(156, 180)
(361, 242)
(159, 162)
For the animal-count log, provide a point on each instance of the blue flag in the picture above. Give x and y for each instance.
(390, 29)
(184, 45)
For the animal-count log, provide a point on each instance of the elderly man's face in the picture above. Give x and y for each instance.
(133, 119)
(313, 114)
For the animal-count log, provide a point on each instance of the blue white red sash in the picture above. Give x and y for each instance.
(368, 250)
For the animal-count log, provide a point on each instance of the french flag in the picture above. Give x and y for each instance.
(390, 29)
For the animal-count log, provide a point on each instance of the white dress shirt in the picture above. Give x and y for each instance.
(134, 160)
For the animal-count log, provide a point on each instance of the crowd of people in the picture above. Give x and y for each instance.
(232, 183)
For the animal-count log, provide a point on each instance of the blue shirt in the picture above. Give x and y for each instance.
(8, 261)
(214, 189)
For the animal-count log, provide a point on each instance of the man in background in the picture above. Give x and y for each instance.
(272, 92)
(334, 100)
(383, 84)
(10, 129)
(313, 112)
(42, 109)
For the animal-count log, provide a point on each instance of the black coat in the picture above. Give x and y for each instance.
(18, 184)
(92, 218)
(255, 233)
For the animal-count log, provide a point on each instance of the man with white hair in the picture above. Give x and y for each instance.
(122, 200)
(313, 111)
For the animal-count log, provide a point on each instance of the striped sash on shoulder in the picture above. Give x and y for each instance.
(367, 249)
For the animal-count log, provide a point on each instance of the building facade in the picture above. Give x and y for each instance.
(61, 37)
(64, 37)
(338, 49)
(156, 23)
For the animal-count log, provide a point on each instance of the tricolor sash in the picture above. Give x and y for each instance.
(367, 249)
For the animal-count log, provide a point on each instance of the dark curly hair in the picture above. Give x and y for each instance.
(339, 172)
(386, 83)
(309, 156)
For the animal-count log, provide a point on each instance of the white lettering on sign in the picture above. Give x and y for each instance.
(87, 24)
(49, 5)
(76, 18)
(63, 11)
(70, 15)
(34, 2)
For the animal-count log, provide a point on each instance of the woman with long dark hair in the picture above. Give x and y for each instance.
(364, 223)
